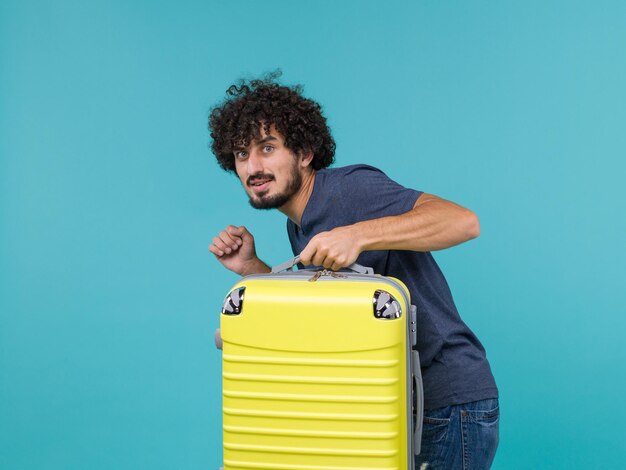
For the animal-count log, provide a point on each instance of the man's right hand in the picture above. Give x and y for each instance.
(234, 248)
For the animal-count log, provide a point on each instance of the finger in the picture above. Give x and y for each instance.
(216, 251)
(320, 258)
(240, 234)
(306, 255)
(339, 262)
(220, 245)
(228, 240)
(304, 259)
(235, 233)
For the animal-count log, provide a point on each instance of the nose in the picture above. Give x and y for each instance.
(255, 163)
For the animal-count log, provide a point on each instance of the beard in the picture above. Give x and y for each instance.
(261, 201)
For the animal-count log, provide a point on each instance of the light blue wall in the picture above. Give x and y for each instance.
(109, 196)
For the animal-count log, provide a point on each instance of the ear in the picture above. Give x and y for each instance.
(306, 158)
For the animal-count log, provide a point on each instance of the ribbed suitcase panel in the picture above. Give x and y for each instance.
(309, 410)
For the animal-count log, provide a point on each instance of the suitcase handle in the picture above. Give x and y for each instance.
(289, 265)
(418, 390)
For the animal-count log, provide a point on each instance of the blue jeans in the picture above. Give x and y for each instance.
(463, 437)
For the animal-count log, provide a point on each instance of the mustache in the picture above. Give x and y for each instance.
(259, 176)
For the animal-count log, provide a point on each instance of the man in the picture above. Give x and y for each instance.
(278, 144)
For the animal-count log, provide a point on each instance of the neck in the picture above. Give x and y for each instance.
(296, 204)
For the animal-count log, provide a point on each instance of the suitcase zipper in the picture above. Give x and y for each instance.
(348, 276)
(325, 272)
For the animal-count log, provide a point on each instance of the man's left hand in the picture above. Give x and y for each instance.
(334, 250)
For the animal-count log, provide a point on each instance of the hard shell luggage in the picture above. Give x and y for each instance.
(319, 372)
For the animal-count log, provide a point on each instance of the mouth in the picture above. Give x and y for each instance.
(260, 185)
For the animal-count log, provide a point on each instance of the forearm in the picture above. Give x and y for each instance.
(433, 224)
(255, 266)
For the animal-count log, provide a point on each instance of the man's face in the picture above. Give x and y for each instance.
(269, 171)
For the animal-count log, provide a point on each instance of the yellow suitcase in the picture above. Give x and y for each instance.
(319, 372)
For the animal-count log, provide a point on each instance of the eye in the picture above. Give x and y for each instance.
(268, 148)
(241, 154)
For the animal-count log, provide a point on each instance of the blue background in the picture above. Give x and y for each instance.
(109, 196)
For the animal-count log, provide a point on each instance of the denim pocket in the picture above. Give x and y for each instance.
(436, 421)
(480, 423)
(489, 416)
(436, 424)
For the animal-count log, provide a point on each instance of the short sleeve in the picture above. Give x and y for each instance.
(368, 193)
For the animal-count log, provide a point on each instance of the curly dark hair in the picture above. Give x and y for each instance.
(251, 104)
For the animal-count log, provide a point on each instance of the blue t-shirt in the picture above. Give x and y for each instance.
(454, 366)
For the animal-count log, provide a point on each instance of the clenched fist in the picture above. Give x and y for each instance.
(234, 248)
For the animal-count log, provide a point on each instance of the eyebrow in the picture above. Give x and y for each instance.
(269, 138)
(266, 139)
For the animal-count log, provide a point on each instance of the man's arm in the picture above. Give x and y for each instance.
(432, 224)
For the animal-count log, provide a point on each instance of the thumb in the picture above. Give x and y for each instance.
(241, 232)
(306, 255)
